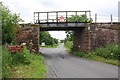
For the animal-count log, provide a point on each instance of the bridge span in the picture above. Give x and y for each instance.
(87, 35)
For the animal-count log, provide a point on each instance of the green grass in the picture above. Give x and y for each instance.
(5, 63)
(0, 62)
(22, 69)
(101, 59)
(93, 56)
(108, 54)
(50, 46)
(36, 69)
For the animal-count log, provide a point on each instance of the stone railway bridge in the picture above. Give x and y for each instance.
(87, 36)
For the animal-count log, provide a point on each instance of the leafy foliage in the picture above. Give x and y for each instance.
(13, 59)
(108, 54)
(79, 18)
(20, 57)
(16, 58)
(36, 69)
(23, 62)
(79, 53)
(9, 23)
(55, 41)
(46, 37)
(68, 44)
(69, 36)
(109, 51)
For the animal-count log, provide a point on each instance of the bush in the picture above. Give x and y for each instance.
(19, 58)
(13, 59)
(79, 53)
(109, 52)
(69, 44)
(24, 62)
(90, 55)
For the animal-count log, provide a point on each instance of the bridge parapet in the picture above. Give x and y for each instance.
(59, 16)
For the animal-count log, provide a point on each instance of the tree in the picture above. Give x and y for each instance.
(10, 22)
(62, 41)
(55, 40)
(69, 35)
(46, 37)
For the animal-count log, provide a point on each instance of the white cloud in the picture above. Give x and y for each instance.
(27, 7)
(24, 7)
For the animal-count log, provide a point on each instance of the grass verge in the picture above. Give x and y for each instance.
(108, 54)
(34, 69)
(101, 59)
(93, 56)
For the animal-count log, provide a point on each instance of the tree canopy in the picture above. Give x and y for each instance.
(10, 22)
(46, 37)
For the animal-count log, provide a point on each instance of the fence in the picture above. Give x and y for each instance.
(104, 18)
(56, 16)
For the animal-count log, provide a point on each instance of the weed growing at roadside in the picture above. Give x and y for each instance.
(79, 53)
(22, 65)
(109, 52)
(19, 58)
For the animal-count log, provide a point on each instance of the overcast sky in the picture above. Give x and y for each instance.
(27, 7)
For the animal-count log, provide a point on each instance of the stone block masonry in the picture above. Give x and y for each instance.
(29, 34)
(89, 40)
(84, 39)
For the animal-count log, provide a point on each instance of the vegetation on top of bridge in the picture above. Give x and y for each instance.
(79, 18)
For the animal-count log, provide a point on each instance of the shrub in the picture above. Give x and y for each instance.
(24, 62)
(109, 51)
(20, 57)
(79, 53)
(12, 59)
(69, 44)
(90, 55)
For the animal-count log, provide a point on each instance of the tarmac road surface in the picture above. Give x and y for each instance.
(61, 64)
